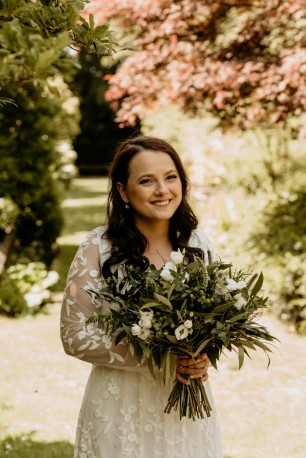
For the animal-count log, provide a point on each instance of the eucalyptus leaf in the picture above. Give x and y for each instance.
(240, 355)
(257, 285)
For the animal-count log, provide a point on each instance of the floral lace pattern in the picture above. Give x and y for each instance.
(122, 413)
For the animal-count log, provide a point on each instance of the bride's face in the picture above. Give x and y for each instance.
(154, 188)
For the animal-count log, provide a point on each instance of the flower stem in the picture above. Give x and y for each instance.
(191, 400)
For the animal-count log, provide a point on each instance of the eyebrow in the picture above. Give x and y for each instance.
(152, 175)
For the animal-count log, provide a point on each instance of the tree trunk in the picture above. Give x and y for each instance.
(4, 250)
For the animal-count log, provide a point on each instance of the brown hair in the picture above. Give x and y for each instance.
(128, 243)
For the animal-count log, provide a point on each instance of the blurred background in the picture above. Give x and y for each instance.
(222, 81)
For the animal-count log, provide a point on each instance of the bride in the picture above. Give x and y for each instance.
(148, 217)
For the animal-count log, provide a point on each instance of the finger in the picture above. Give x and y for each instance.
(190, 362)
(182, 379)
(191, 371)
(204, 377)
(199, 361)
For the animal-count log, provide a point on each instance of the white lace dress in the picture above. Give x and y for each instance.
(122, 413)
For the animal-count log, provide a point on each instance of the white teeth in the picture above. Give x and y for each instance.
(161, 204)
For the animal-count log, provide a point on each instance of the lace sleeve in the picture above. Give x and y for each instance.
(90, 343)
(200, 240)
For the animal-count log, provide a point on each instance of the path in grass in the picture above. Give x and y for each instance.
(261, 411)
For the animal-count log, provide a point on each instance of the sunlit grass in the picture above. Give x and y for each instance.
(25, 446)
(83, 207)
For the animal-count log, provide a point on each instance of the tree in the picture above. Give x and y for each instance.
(35, 36)
(243, 61)
(99, 133)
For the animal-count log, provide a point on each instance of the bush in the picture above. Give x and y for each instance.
(281, 237)
(29, 135)
(25, 287)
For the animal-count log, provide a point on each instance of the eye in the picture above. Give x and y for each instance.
(146, 181)
(171, 177)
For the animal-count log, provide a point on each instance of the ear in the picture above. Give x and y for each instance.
(122, 191)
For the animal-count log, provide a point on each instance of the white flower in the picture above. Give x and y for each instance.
(166, 275)
(231, 284)
(181, 332)
(144, 334)
(176, 257)
(146, 319)
(221, 288)
(223, 274)
(188, 324)
(240, 301)
(147, 315)
(136, 330)
(241, 284)
(145, 323)
(170, 266)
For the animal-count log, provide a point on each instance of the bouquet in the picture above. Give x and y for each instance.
(184, 310)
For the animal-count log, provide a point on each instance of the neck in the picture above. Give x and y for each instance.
(153, 232)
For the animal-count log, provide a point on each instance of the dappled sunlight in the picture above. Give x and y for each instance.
(79, 202)
(74, 238)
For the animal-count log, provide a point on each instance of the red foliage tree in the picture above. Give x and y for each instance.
(244, 61)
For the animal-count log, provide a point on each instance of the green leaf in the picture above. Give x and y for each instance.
(172, 339)
(257, 285)
(149, 305)
(120, 336)
(169, 367)
(213, 355)
(238, 317)
(262, 345)
(91, 22)
(240, 355)
(201, 346)
(170, 291)
(163, 300)
(151, 366)
(223, 307)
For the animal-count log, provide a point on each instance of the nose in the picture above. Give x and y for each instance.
(161, 187)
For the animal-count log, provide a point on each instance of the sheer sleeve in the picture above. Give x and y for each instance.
(199, 239)
(89, 342)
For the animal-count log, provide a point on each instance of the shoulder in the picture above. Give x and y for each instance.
(199, 239)
(97, 238)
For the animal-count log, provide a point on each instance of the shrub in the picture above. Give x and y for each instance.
(25, 287)
(29, 135)
(281, 237)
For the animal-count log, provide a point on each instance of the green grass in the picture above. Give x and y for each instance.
(83, 207)
(26, 447)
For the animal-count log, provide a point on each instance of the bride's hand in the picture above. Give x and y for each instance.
(194, 368)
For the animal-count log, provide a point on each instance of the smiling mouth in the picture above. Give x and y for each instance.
(161, 203)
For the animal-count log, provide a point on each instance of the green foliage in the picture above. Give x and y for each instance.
(27, 446)
(34, 35)
(281, 237)
(12, 301)
(8, 214)
(272, 174)
(99, 133)
(283, 225)
(25, 287)
(29, 136)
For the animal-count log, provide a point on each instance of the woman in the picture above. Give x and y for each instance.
(148, 216)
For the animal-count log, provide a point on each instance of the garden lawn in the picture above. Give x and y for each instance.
(262, 412)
